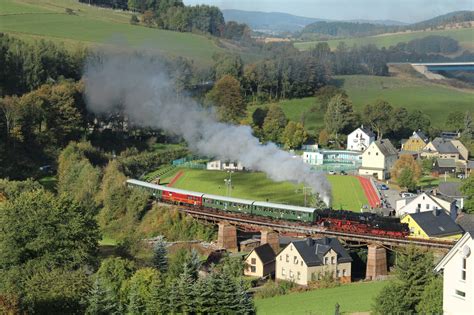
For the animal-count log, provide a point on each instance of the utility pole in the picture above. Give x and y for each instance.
(305, 192)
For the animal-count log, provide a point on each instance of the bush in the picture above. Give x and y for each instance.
(134, 20)
(272, 288)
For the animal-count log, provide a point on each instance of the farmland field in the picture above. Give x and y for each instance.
(347, 191)
(92, 26)
(436, 101)
(464, 36)
(354, 297)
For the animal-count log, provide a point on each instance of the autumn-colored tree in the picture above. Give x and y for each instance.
(323, 137)
(226, 96)
(148, 18)
(294, 135)
(406, 161)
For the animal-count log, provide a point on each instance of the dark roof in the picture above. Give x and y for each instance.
(446, 163)
(443, 145)
(439, 224)
(420, 134)
(367, 131)
(466, 221)
(265, 253)
(313, 250)
(386, 147)
(450, 189)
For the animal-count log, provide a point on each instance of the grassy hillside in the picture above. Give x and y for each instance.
(91, 25)
(434, 100)
(352, 298)
(463, 36)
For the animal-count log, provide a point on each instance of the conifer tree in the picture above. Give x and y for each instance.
(185, 291)
(245, 305)
(160, 256)
(192, 264)
(158, 303)
(101, 300)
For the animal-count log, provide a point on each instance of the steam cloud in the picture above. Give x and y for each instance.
(140, 87)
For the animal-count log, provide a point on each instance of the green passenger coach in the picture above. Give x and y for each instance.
(227, 203)
(286, 212)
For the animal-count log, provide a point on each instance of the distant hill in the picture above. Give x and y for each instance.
(269, 21)
(380, 22)
(341, 29)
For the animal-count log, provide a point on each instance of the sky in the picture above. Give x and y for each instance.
(401, 10)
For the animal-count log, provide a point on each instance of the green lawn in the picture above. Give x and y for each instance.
(92, 25)
(347, 191)
(429, 181)
(354, 297)
(434, 100)
(465, 37)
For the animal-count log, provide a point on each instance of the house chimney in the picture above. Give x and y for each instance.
(317, 247)
(417, 209)
(435, 212)
(309, 241)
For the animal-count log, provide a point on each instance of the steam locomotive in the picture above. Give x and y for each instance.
(336, 220)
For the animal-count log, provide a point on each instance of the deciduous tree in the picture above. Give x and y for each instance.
(378, 116)
(226, 96)
(274, 124)
(340, 117)
(294, 135)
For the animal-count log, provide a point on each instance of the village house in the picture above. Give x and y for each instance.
(442, 148)
(416, 142)
(260, 262)
(218, 165)
(426, 202)
(457, 267)
(444, 166)
(310, 259)
(434, 224)
(360, 139)
(378, 159)
(451, 190)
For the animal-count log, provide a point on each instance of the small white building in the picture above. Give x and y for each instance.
(378, 159)
(426, 202)
(360, 139)
(458, 277)
(218, 165)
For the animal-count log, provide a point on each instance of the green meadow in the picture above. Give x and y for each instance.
(434, 100)
(464, 36)
(92, 26)
(352, 298)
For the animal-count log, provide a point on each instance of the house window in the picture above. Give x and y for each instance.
(460, 293)
(253, 269)
(463, 271)
(291, 274)
(301, 263)
(287, 258)
(326, 260)
(338, 272)
(283, 273)
(298, 275)
(343, 272)
(295, 260)
(376, 153)
(333, 260)
(281, 258)
(253, 261)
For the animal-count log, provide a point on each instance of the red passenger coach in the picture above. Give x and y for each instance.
(180, 196)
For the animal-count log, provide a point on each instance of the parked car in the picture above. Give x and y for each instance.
(343, 173)
(383, 187)
(332, 173)
(461, 176)
(407, 195)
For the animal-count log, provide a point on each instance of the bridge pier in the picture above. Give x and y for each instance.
(376, 262)
(271, 238)
(227, 237)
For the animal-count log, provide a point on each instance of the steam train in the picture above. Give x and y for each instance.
(335, 220)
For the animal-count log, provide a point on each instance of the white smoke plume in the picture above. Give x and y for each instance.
(141, 88)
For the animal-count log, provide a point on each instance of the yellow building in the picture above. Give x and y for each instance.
(416, 142)
(260, 262)
(435, 224)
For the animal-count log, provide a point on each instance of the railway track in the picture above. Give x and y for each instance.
(311, 230)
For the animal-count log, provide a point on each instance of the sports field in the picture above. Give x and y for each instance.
(90, 25)
(347, 191)
(463, 36)
(354, 297)
(436, 101)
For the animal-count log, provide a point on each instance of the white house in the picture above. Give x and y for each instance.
(360, 139)
(310, 259)
(378, 159)
(458, 277)
(218, 165)
(426, 202)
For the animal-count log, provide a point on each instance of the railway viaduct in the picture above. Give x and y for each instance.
(270, 231)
